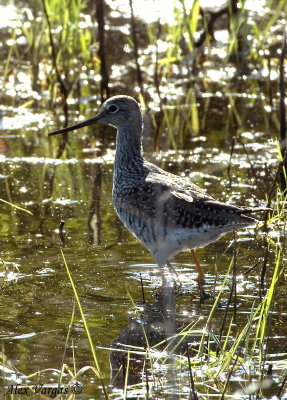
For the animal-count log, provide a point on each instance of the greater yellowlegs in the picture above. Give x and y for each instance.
(166, 212)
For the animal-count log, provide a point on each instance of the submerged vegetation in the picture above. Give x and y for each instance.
(211, 80)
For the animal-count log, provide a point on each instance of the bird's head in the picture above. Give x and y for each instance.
(117, 111)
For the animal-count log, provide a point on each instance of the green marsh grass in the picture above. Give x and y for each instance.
(275, 196)
(92, 347)
(233, 350)
(8, 62)
(236, 354)
(16, 207)
(60, 49)
(72, 374)
(190, 21)
(61, 36)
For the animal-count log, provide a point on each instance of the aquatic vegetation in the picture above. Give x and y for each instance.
(210, 79)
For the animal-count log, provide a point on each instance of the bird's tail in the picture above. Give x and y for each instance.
(251, 210)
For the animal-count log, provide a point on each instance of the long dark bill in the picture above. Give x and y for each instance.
(87, 122)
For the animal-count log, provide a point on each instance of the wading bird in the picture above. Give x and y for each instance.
(165, 212)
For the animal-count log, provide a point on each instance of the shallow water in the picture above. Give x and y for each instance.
(104, 259)
(106, 262)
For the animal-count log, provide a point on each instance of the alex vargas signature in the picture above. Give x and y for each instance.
(75, 388)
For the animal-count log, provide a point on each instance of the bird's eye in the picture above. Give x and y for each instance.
(112, 109)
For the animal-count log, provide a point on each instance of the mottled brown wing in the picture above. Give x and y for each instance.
(175, 202)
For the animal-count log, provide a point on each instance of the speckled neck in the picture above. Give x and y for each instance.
(129, 157)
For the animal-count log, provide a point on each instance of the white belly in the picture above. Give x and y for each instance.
(164, 242)
(178, 240)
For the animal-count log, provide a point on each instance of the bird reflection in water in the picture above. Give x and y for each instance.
(149, 335)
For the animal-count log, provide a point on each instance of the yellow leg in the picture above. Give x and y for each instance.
(200, 274)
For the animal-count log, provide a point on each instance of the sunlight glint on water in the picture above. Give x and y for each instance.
(8, 16)
(37, 302)
(152, 10)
